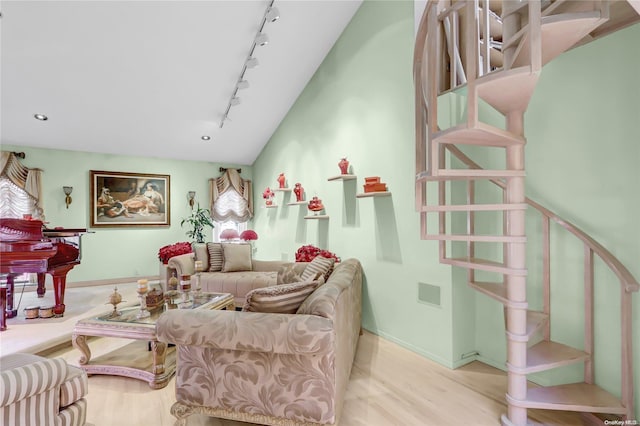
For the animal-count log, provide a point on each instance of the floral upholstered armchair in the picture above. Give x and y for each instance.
(269, 368)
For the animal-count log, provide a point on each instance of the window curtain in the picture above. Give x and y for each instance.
(21, 188)
(231, 197)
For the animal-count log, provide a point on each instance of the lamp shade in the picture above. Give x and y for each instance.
(229, 234)
(249, 235)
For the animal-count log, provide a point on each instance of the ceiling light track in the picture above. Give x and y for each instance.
(271, 14)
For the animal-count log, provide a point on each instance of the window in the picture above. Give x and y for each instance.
(15, 200)
(221, 226)
(231, 202)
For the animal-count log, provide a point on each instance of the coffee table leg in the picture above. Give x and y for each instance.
(80, 343)
(159, 350)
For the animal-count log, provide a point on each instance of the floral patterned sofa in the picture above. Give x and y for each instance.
(255, 274)
(269, 368)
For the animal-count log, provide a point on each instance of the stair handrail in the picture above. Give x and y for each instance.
(628, 281)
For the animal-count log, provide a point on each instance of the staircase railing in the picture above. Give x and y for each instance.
(628, 285)
(454, 48)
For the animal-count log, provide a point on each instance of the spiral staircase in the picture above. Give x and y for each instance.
(492, 52)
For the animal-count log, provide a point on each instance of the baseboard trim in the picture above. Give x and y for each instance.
(442, 361)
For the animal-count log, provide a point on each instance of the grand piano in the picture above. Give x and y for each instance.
(27, 247)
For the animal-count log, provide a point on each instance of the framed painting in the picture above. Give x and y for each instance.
(129, 199)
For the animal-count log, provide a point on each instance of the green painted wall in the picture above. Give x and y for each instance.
(359, 105)
(116, 252)
(582, 129)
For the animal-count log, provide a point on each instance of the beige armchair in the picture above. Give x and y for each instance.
(269, 368)
(40, 391)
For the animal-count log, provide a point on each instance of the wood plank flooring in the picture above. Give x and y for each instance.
(389, 386)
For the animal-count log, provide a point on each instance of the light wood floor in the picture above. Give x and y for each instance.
(389, 386)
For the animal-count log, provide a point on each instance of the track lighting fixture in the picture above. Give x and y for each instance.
(252, 62)
(262, 39)
(271, 14)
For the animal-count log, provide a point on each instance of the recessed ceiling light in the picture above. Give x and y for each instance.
(41, 117)
(206, 138)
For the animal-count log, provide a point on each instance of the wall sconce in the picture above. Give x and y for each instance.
(67, 192)
(191, 195)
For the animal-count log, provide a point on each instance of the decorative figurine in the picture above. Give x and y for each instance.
(299, 191)
(344, 166)
(114, 299)
(268, 195)
(315, 205)
(281, 180)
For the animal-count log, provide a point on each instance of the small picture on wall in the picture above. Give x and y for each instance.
(129, 199)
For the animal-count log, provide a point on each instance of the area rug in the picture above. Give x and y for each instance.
(37, 335)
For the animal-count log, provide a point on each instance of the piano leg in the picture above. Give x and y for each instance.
(10, 311)
(41, 289)
(3, 304)
(59, 283)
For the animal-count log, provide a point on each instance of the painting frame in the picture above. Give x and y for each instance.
(126, 199)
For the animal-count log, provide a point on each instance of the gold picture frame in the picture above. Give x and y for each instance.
(129, 199)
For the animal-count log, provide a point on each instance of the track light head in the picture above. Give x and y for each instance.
(273, 14)
(262, 39)
(252, 62)
(235, 101)
(243, 84)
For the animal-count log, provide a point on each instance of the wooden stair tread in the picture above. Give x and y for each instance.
(559, 33)
(481, 134)
(547, 355)
(496, 291)
(474, 207)
(582, 397)
(483, 265)
(476, 238)
(535, 321)
(509, 90)
(468, 174)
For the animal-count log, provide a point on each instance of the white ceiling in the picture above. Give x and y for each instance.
(149, 78)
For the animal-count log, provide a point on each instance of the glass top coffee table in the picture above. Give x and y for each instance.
(146, 358)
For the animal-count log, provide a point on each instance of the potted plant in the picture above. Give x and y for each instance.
(199, 219)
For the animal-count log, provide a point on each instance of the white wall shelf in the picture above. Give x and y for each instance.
(319, 216)
(272, 206)
(374, 194)
(342, 177)
(298, 203)
(282, 189)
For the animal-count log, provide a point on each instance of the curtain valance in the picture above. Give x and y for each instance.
(231, 197)
(29, 180)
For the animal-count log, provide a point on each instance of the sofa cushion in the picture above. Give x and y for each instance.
(283, 299)
(318, 264)
(216, 258)
(237, 257)
(201, 253)
(288, 274)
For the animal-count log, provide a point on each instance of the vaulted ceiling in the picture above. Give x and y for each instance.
(150, 78)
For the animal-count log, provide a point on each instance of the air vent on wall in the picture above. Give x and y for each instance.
(429, 293)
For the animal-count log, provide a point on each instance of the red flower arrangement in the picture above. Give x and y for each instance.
(249, 235)
(308, 252)
(167, 252)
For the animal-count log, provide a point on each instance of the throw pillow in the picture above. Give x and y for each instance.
(215, 256)
(318, 264)
(237, 257)
(287, 274)
(281, 299)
